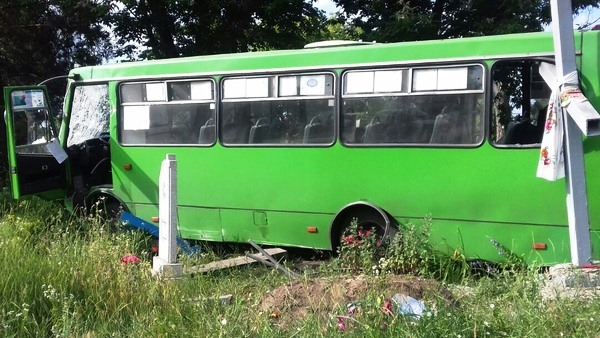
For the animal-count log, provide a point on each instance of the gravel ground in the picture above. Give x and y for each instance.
(566, 280)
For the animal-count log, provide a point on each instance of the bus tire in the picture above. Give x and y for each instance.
(105, 206)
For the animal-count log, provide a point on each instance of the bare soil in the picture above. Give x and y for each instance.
(292, 302)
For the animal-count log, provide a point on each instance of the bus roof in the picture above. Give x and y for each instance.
(385, 53)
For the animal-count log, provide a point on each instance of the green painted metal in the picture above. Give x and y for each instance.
(15, 183)
(272, 194)
(474, 195)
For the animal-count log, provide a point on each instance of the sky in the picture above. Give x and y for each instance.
(327, 5)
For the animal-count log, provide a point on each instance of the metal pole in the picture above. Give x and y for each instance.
(577, 206)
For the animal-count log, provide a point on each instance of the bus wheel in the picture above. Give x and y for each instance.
(367, 219)
(106, 208)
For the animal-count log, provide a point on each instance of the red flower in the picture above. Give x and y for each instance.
(154, 248)
(349, 239)
(387, 308)
(368, 233)
(129, 259)
(378, 243)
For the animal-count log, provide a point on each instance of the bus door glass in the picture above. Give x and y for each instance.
(36, 159)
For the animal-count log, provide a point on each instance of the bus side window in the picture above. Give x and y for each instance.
(520, 104)
(288, 109)
(178, 112)
(444, 106)
(320, 127)
(237, 123)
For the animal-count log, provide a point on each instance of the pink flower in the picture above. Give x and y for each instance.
(350, 239)
(129, 259)
(361, 233)
(154, 248)
(341, 325)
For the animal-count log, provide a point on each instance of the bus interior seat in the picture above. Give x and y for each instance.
(134, 136)
(427, 130)
(207, 132)
(374, 131)
(236, 132)
(415, 128)
(524, 132)
(159, 135)
(459, 134)
(315, 131)
(349, 129)
(441, 128)
(521, 133)
(451, 127)
(259, 132)
(396, 124)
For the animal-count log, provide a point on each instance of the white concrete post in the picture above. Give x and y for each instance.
(577, 207)
(165, 264)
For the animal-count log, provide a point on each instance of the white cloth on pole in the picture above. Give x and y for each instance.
(551, 164)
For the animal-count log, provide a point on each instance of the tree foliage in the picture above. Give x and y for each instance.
(407, 20)
(164, 28)
(39, 39)
(45, 38)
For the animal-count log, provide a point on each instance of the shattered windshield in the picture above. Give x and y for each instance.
(89, 113)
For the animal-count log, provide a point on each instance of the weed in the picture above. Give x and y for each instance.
(61, 276)
(359, 249)
(409, 252)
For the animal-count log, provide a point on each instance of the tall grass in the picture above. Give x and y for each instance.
(61, 276)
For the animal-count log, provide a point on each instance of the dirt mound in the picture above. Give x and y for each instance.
(292, 302)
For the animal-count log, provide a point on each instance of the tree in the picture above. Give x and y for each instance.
(406, 20)
(189, 27)
(41, 39)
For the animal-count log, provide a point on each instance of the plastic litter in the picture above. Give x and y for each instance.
(130, 259)
(409, 306)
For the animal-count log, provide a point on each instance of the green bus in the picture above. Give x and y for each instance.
(287, 147)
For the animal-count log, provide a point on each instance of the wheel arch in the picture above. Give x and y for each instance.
(98, 192)
(355, 208)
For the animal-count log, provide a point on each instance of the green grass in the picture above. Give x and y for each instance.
(61, 276)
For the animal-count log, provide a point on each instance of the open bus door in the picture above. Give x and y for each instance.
(37, 162)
